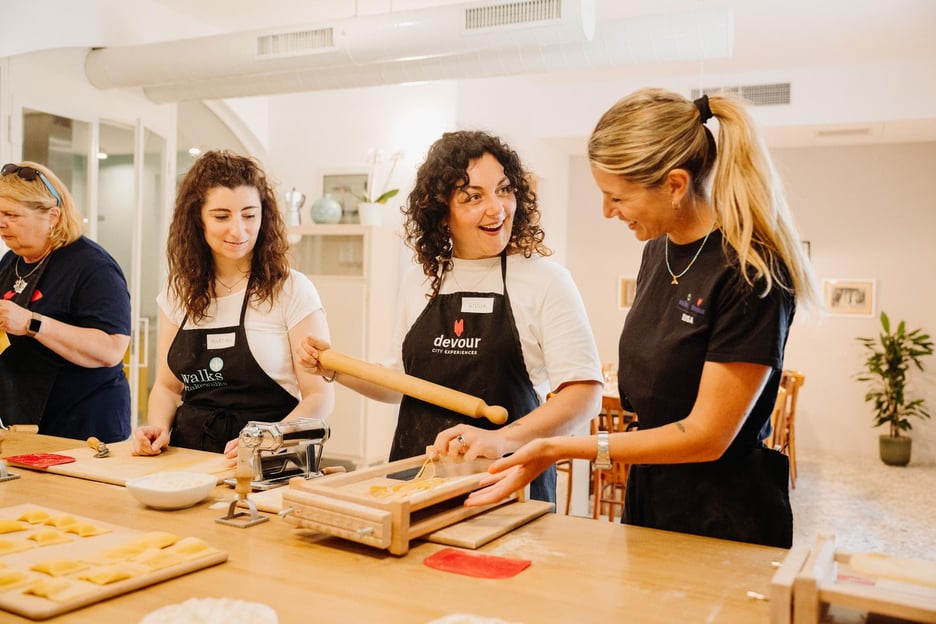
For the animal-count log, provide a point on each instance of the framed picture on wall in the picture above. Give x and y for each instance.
(849, 297)
(627, 290)
(346, 188)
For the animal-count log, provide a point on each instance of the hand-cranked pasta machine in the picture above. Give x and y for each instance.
(275, 452)
(268, 456)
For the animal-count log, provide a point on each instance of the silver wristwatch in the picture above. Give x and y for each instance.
(603, 460)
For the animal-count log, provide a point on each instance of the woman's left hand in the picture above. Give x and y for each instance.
(469, 442)
(230, 451)
(509, 474)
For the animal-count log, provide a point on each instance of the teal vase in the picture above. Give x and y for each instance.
(326, 209)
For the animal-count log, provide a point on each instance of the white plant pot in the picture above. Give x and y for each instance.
(371, 213)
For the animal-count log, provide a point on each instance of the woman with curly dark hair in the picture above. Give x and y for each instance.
(230, 315)
(484, 312)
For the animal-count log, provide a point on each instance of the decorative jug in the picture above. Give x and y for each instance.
(326, 209)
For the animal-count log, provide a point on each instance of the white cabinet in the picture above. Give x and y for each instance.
(355, 269)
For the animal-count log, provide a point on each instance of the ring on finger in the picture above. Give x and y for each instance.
(461, 443)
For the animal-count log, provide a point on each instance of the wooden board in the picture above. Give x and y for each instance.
(121, 464)
(479, 530)
(37, 608)
(270, 501)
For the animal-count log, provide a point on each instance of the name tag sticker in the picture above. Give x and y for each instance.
(478, 305)
(220, 341)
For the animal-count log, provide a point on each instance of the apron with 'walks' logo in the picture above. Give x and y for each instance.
(224, 386)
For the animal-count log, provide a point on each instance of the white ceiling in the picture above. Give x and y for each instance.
(768, 35)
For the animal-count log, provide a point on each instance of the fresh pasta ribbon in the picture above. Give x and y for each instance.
(421, 482)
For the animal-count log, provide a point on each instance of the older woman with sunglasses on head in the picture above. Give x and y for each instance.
(65, 307)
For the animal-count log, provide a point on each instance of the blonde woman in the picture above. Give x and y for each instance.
(64, 304)
(701, 352)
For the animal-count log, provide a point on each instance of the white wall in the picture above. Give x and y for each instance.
(868, 213)
(332, 131)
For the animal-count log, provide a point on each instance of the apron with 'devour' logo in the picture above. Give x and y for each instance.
(467, 341)
(224, 386)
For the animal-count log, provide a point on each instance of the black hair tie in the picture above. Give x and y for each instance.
(705, 113)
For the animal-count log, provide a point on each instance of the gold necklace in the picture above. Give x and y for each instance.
(231, 287)
(20, 284)
(694, 258)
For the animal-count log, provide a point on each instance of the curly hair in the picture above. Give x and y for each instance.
(191, 267)
(441, 175)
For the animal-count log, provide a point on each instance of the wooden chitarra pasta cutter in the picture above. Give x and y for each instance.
(433, 393)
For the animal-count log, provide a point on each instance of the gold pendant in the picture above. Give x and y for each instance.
(674, 280)
(19, 286)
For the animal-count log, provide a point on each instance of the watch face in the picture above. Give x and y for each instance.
(34, 324)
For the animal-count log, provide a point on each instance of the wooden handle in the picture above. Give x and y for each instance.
(243, 477)
(415, 387)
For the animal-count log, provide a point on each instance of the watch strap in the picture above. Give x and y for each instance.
(603, 459)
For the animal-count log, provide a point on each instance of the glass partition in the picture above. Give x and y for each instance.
(61, 144)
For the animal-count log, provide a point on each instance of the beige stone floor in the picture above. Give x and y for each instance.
(867, 505)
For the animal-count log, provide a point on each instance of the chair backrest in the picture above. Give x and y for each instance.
(777, 419)
(783, 418)
(792, 381)
(612, 417)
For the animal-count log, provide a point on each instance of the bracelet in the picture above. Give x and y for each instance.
(333, 377)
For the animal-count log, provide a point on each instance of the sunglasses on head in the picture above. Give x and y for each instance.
(29, 174)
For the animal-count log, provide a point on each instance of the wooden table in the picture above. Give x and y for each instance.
(582, 570)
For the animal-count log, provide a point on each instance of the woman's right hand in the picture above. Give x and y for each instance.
(149, 440)
(307, 354)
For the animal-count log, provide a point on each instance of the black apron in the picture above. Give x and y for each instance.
(743, 496)
(467, 341)
(28, 370)
(224, 387)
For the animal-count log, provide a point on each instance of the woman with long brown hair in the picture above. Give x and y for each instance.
(231, 313)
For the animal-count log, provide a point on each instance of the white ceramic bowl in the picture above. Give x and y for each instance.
(172, 490)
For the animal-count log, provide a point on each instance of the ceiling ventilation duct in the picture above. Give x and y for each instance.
(449, 42)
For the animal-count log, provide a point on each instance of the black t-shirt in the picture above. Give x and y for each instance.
(81, 285)
(712, 314)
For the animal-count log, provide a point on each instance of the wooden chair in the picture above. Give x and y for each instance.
(783, 419)
(777, 417)
(608, 486)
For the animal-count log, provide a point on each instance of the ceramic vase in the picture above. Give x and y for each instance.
(326, 209)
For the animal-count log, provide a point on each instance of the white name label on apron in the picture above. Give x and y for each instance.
(220, 341)
(478, 305)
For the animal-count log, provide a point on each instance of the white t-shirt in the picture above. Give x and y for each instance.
(267, 326)
(555, 335)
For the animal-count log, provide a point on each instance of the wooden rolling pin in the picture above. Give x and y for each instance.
(415, 387)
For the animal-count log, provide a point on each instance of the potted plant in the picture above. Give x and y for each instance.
(369, 208)
(889, 357)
